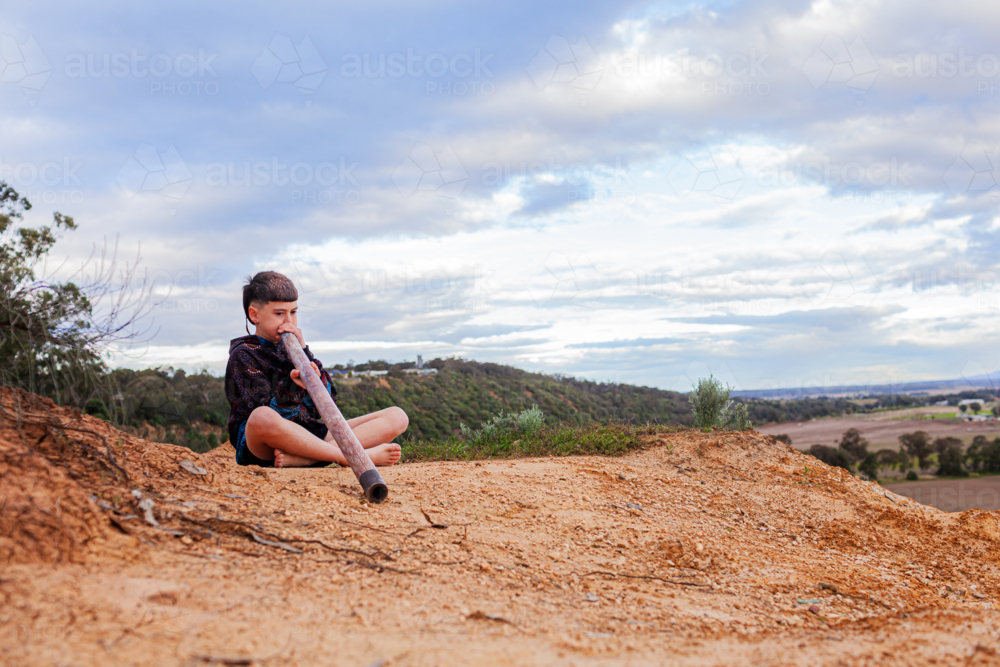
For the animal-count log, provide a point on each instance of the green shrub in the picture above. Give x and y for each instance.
(710, 404)
(912, 475)
(505, 427)
(610, 439)
(741, 417)
(196, 441)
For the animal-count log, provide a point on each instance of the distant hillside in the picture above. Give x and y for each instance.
(191, 409)
(471, 392)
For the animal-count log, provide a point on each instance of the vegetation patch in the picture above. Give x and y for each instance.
(608, 439)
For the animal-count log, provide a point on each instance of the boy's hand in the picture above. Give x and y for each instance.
(288, 327)
(296, 376)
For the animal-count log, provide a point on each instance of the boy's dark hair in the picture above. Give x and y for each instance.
(265, 287)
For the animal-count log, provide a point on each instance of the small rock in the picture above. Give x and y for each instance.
(592, 598)
(192, 467)
(814, 609)
(621, 476)
(634, 506)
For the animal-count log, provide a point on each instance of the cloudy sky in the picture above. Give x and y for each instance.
(780, 193)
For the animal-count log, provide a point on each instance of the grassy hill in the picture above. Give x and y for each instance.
(472, 392)
(191, 409)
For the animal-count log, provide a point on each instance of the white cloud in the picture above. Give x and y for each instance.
(680, 175)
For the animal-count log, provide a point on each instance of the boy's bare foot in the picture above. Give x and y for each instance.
(283, 460)
(385, 454)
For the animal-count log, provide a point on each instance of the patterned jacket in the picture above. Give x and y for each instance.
(258, 374)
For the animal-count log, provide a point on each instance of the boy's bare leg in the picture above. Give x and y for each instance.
(266, 426)
(374, 430)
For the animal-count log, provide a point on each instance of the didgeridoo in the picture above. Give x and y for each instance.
(368, 476)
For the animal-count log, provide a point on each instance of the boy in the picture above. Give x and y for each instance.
(272, 419)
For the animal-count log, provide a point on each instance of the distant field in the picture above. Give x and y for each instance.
(953, 495)
(882, 430)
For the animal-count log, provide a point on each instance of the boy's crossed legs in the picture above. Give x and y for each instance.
(271, 436)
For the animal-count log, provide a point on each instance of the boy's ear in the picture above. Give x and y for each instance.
(254, 314)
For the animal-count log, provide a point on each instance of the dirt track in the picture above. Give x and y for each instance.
(524, 562)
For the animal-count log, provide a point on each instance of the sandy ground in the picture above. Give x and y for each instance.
(703, 549)
(881, 431)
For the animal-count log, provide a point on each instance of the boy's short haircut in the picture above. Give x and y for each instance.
(265, 287)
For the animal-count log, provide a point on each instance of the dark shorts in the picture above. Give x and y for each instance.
(245, 457)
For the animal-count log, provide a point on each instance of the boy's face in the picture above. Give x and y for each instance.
(269, 317)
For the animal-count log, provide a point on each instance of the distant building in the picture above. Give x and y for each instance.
(420, 361)
(420, 371)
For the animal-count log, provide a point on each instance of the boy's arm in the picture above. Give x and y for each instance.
(324, 376)
(247, 386)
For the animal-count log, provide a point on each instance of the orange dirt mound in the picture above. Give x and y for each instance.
(704, 548)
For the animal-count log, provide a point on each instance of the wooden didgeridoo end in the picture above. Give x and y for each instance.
(368, 476)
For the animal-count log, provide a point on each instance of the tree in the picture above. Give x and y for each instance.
(903, 460)
(991, 456)
(869, 466)
(963, 407)
(950, 457)
(975, 407)
(783, 438)
(917, 445)
(995, 409)
(976, 453)
(831, 456)
(887, 458)
(945, 443)
(854, 445)
(53, 333)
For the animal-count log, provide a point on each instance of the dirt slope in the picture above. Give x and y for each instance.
(696, 551)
